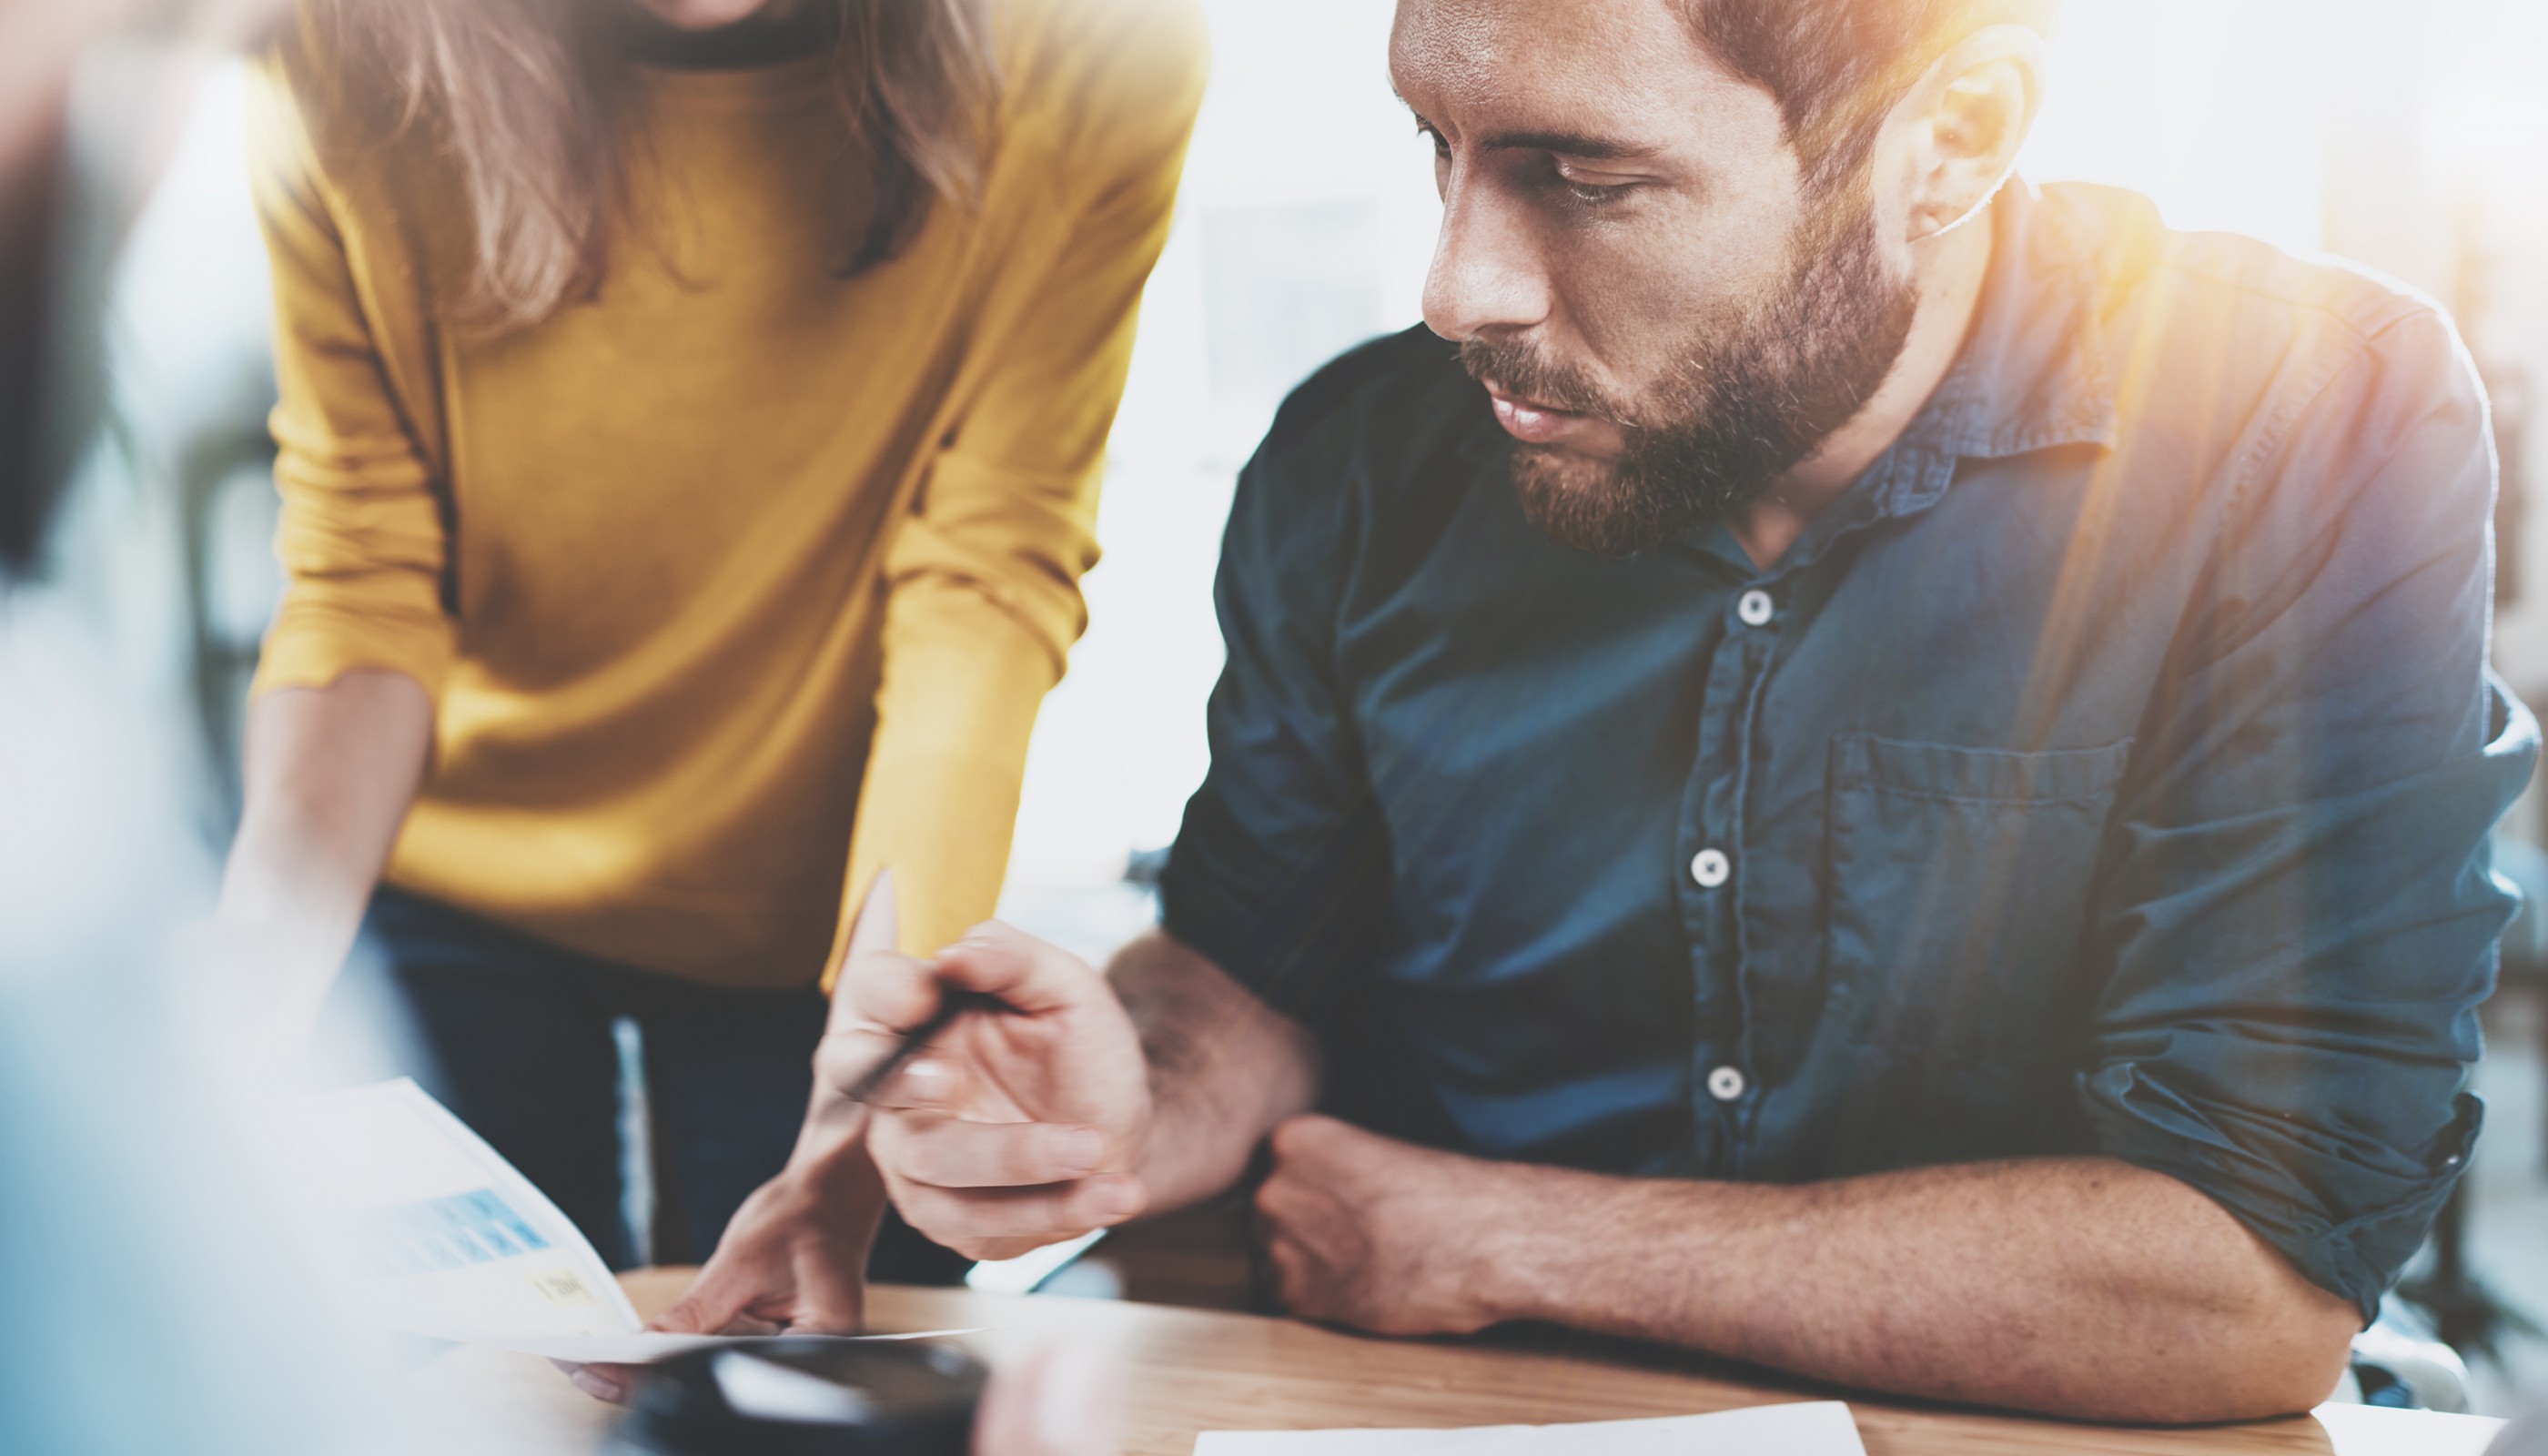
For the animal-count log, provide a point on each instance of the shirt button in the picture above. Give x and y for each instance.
(1710, 868)
(1726, 1083)
(1756, 608)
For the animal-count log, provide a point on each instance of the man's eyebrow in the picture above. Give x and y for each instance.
(1564, 143)
(1569, 143)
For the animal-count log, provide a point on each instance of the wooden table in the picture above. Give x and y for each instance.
(1195, 1370)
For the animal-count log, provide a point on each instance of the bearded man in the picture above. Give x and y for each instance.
(1846, 763)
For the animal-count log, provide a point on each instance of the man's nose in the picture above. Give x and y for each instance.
(1487, 275)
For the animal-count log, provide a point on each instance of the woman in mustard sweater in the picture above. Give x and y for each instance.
(690, 422)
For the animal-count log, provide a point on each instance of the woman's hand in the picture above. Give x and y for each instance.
(795, 1258)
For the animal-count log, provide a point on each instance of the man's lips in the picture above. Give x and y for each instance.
(1533, 423)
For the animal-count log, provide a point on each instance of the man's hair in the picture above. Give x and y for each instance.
(1838, 66)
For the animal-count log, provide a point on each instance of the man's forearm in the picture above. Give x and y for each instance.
(2083, 1287)
(1225, 1068)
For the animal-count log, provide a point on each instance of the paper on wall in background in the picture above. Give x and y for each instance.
(425, 1228)
(1808, 1428)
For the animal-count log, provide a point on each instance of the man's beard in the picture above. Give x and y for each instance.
(1755, 394)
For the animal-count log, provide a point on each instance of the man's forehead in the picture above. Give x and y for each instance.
(1631, 73)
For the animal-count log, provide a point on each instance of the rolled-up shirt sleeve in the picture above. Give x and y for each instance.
(362, 539)
(2299, 911)
(1280, 870)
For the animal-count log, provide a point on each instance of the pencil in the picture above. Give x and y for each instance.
(917, 1040)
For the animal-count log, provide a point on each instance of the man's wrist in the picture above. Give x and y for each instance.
(1547, 1238)
(1515, 1251)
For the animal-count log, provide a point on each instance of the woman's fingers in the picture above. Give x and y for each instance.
(724, 1290)
(879, 987)
(878, 926)
(611, 1383)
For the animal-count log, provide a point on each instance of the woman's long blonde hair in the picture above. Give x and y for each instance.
(527, 98)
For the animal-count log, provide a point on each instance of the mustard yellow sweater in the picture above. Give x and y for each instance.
(744, 579)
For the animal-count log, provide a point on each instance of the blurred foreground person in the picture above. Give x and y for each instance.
(692, 419)
(153, 1307)
(2527, 1437)
(1850, 764)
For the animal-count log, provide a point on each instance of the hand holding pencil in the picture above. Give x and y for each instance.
(997, 1095)
(1001, 1121)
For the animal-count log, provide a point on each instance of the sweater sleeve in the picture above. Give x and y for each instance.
(362, 541)
(983, 578)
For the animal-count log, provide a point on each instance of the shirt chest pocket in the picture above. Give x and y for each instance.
(1958, 884)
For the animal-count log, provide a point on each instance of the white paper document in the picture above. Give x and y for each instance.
(2371, 1431)
(425, 1228)
(1810, 1429)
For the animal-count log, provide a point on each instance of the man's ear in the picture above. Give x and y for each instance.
(1966, 120)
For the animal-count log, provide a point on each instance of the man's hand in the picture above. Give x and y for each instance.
(1381, 1236)
(2085, 1288)
(1018, 1127)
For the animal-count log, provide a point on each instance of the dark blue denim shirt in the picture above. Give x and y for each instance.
(2107, 773)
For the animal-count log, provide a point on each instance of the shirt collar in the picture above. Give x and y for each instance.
(2033, 374)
